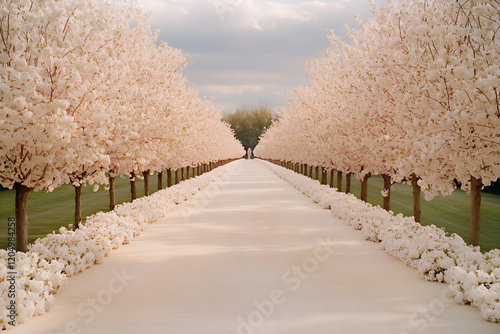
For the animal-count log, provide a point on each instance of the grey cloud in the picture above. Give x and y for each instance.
(223, 53)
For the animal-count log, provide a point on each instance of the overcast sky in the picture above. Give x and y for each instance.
(250, 52)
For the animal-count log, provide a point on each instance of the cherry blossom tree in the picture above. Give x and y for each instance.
(49, 57)
(414, 96)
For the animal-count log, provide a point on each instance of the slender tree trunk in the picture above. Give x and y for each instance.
(22, 193)
(475, 207)
(169, 177)
(323, 175)
(332, 177)
(311, 171)
(146, 183)
(339, 180)
(304, 171)
(317, 173)
(160, 180)
(416, 197)
(364, 187)
(111, 193)
(348, 183)
(133, 189)
(78, 206)
(387, 191)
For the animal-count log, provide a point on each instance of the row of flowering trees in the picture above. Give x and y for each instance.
(87, 95)
(414, 96)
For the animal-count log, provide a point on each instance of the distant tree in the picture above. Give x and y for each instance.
(249, 123)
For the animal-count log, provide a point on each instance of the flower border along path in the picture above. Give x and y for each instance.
(473, 276)
(52, 259)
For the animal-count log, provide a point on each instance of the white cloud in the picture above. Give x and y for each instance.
(268, 15)
(231, 89)
(162, 10)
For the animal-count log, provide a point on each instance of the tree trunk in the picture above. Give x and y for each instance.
(160, 180)
(111, 193)
(416, 197)
(304, 170)
(364, 188)
(323, 175)
(387, 191)
(475, 207)
(317, 173)
(133, 189)
(78, 206)
(348, 183)
(169, 177)
(332, 177)
(22, 193)
(146, 183)
(339, 180)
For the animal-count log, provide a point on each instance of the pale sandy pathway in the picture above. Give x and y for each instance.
(252, 255)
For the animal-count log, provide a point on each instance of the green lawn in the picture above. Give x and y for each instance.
(450, 212)
(47, 212)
